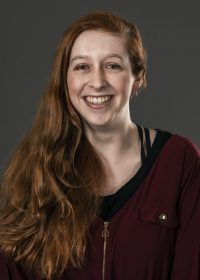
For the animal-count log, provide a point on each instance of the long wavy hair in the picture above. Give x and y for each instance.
(50, 187)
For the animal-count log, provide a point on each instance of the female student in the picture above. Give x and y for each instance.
(89, 193)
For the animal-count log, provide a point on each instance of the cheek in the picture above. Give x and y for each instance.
(75, 86)
(72, 84)
(124, 85)
(71, 88)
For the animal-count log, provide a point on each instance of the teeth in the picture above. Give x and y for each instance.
(97, 100)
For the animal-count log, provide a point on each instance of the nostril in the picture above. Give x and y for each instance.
(97, 81)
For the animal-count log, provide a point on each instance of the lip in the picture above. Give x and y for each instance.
(93, 106)
(98, 95)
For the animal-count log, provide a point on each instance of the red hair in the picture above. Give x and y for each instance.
(49, 190)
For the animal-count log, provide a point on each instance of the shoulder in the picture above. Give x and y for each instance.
(186, 146)
(191, 159)
(176, 151)
(182, 156)
(180, 144)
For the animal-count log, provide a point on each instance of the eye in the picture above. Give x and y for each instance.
(81, 67)
(114, 66)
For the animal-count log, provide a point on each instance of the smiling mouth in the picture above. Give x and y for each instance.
(96, 100)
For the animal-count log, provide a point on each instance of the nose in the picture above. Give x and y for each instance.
(97, 79)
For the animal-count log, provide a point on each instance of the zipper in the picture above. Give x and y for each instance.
(105, 235)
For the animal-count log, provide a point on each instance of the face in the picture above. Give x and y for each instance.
(100, 80)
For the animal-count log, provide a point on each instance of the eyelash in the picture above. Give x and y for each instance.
(82, 67)
(116, 66)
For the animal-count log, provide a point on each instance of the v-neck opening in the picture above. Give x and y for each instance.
(111, 204)
(138, 171)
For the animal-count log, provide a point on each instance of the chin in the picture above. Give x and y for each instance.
(97, 124)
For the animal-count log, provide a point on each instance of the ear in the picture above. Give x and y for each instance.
(136, 85)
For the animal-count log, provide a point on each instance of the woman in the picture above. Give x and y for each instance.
(89, 194)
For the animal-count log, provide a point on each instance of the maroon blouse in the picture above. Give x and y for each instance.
(155, 234)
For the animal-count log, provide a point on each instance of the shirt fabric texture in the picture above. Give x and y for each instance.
(153, 228)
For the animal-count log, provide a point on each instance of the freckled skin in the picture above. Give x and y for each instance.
(99, 65)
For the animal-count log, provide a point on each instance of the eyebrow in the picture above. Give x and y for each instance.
(79, 57)
(86, 57)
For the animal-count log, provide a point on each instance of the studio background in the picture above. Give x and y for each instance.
(31, 30)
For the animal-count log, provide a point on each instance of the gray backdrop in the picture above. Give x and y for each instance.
(30, 31)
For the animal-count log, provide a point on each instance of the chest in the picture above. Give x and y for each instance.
(119, 174)
(137, 241)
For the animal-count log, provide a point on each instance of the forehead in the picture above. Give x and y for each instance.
(98, 42)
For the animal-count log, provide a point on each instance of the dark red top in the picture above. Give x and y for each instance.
(155, 234)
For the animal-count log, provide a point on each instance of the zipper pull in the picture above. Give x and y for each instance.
(105, 235)
(105, 232)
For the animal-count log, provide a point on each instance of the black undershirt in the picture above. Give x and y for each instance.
(112, 203)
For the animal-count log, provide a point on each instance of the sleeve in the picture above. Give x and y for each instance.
(186, 259)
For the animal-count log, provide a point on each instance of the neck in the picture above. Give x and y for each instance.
(112, 143)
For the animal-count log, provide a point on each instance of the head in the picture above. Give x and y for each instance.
(116, 25)
(112, 24)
